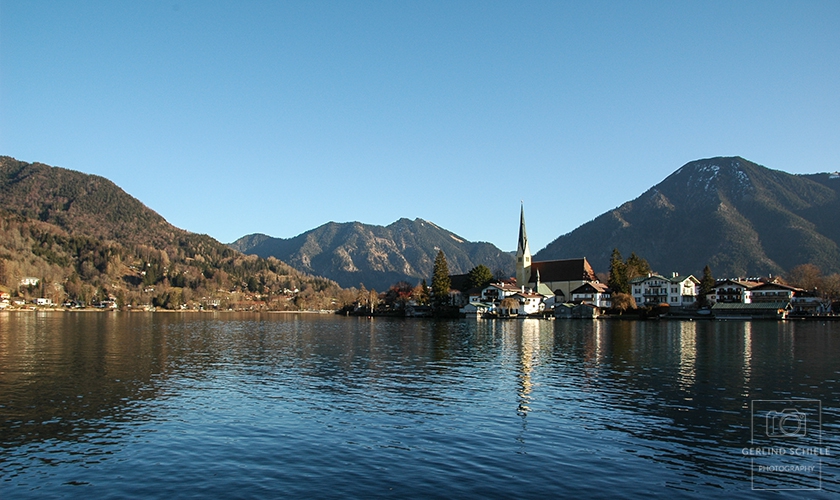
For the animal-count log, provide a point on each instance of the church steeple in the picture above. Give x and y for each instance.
(523, 253)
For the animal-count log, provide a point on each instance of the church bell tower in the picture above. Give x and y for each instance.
(523, 253)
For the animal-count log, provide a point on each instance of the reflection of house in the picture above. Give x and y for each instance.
(676, 291)
(557, 276)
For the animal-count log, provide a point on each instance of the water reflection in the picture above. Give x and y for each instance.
(530, 346)
(688, 354)
(673, 396)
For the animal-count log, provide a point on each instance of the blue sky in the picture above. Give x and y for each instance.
(231, 118)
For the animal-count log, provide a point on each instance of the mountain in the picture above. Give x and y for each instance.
(85, 237)
(740, 218)
(377, 256)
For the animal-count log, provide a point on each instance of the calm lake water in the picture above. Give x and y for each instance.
(114, 405)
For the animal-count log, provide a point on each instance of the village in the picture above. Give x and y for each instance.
(554, 289)
(569, 288)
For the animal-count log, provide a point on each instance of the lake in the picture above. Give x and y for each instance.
(152, 405)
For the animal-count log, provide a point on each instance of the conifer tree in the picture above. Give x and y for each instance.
(636, 267)
(440, 280)
(618, 281)
(479, 277)
(707, 284)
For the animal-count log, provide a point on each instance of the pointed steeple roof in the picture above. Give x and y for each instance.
(522, 245)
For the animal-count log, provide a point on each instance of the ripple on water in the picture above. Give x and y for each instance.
(254, 406)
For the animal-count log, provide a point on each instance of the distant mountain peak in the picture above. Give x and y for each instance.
(737, 216)
(378, 256)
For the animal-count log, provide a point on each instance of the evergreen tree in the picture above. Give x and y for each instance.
(440, 280)
(707, 284)
(479, 277)
(618, 281)
(636, 267)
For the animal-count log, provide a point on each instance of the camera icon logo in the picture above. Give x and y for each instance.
(786, 423)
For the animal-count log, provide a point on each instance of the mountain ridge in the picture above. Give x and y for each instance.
(354, 253)
(85, 237)
(740, 218)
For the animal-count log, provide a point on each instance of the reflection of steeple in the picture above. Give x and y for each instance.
(530, 347)
(747, 363)
(688, 355)
(523, 253)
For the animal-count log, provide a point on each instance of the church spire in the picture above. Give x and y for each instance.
(523, 237)
(523, 253)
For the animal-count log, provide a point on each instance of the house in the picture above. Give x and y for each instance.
(683, 290)
(576, 311)
(772, 292)
(805, 303)
(530, 303)
(560, 277)
(758, 310)
(29, 281)
(496, 292)
(734, 291)
(43, 302)
(654, 289)
(596, 294)
(476, 309)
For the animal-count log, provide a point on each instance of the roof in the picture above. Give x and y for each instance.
(673, 279)
(777, 286)
(504, 286)
(742, 283)
(680, 279)
(590, 287)
(737, 306)
(562, 270)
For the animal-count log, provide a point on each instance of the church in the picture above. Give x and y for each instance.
(557, 277)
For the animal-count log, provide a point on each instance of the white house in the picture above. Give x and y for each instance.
(772, 292)
(734, 291)
(529, 303)
(598, 294)
(676, 291)
(496, 292)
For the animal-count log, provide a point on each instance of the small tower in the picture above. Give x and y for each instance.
(523, 253)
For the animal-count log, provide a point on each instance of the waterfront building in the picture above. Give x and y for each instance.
(676, 291)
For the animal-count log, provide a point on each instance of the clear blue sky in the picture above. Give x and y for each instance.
(230, 118)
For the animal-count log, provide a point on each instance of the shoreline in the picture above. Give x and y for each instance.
(165, 311)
